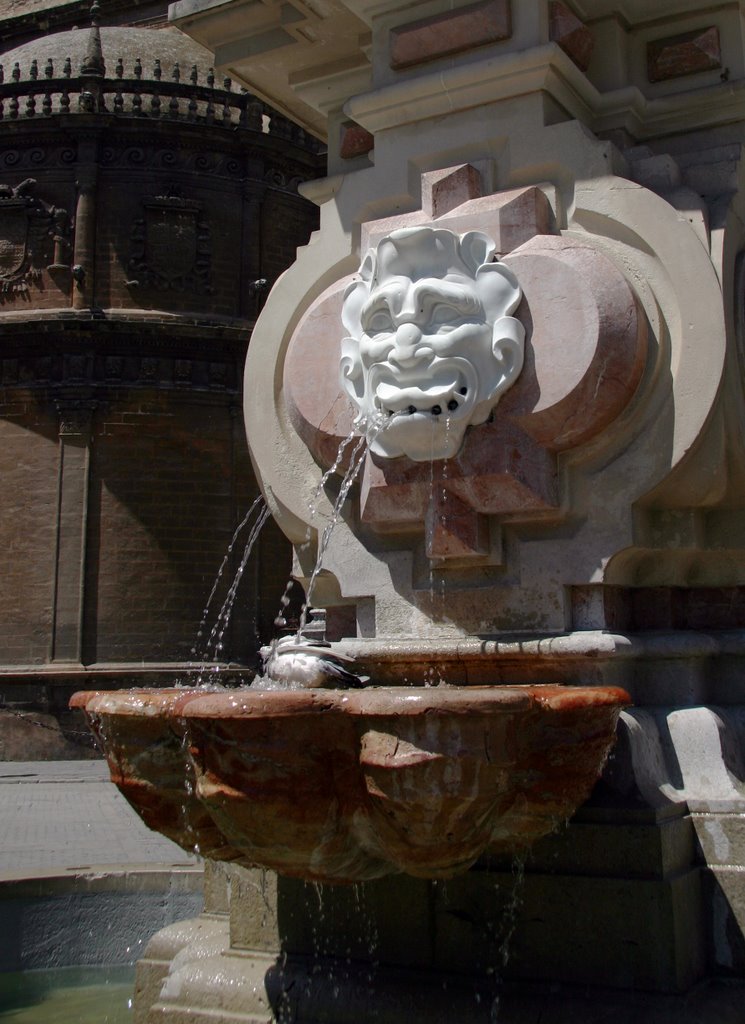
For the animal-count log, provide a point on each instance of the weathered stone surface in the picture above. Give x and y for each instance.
(443, 191)
(572, 35)
(146, 761)
(699, 50)
(355, 141)
(445, 34)
(336, 785)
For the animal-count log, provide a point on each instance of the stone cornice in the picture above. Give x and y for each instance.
(549, 70)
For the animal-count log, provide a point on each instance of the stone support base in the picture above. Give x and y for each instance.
(249, 988)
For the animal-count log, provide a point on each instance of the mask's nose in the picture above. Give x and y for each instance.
(408, 337)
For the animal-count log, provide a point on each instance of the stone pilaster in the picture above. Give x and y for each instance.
(84, 253)
(72, 519)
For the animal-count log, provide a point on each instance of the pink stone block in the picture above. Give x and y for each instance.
(685, 54)
(510, 217)
(453, 529)
(443, 191)
(355, 141)
(571, 34)
(319, 411)
(587, 342)
(444, 34)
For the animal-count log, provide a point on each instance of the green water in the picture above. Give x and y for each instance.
(69, 995)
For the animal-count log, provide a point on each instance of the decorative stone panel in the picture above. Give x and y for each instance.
(171, 246)
(572, 35)
(685, 54)
(33, 234)
(445, 34)
(582, 363)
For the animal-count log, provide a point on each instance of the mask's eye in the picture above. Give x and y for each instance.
(444, 316)
(379, 323)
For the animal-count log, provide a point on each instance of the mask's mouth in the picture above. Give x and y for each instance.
(450, 392)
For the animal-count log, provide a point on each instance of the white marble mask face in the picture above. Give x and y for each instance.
(431, 344)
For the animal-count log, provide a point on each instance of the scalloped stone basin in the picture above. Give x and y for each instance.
(335, 785)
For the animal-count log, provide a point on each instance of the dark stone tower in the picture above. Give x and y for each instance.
(144, 210)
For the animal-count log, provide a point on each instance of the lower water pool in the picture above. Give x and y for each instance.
(68, 995)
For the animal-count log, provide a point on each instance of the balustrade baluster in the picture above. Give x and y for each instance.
(16, 72)
(227, 113)
(33, 72)
(209, 113)
(255, 114)
(13, 107)
(194, 76)
(119, 69)
(67, 68)
(46, 103)
(118, 100)
(64, 101)
(136, 97)
(173, 106)
(2, 74)
(49, 69)
(157, 70)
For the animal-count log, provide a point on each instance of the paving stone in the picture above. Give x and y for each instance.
(61, 814)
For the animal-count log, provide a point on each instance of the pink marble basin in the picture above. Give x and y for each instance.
(335, 785)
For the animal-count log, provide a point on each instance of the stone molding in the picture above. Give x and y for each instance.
(549, 70)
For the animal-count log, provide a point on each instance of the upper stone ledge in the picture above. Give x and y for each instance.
(279, 49)
(608, 64)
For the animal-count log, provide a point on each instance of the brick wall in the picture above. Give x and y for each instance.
(158, 366)
(28, 468)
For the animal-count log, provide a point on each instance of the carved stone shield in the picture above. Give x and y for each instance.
(13, 237)
(171, 239)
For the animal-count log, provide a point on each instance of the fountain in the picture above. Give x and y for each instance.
(539, 528)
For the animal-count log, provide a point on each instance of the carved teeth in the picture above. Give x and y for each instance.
(436, 410)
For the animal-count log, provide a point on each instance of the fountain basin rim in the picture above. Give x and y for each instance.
(399, 701)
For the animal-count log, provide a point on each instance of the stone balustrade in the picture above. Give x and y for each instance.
(176, 94)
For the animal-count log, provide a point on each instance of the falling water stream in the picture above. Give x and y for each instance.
(356, 461)
(210, 652)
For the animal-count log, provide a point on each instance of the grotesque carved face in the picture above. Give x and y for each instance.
(431, 345)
